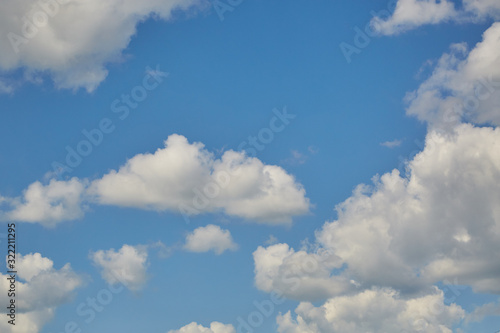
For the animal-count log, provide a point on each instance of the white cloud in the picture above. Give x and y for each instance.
(31, 265)
(186, 178)
(182, 177)
(413, 13)
(441, 223)
(298, 275)
(73, 40)
(210, 238)
(410, 14)
(463, 86)
(128, 265)
(215, 327)
(40, 290)
(483, 8)
(376, 310)
(48, 204)
(296, 158)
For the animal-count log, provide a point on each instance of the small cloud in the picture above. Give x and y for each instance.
(156, 73)
(271, 240)
(296, 158)
(392, 144)
(313, 150)
(6, 88)
(162, 250)
(215, 327)
(424, 69)
(210, 238)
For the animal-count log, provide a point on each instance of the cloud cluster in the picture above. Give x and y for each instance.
(210, 238)
(215, 327)
(410, 14)
(40, 291)
(72, 41)
(182, 177)
(440, 223)
(394, 241)
(127, 266)
(375, 310)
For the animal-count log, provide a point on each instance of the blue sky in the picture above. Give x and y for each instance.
(394, 245)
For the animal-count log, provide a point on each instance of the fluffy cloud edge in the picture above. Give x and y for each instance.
(210, 238)
(127, 265)
(40, 290)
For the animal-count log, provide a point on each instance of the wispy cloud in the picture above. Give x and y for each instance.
(392, 144)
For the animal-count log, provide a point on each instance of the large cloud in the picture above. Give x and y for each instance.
(210, 238)
(375, 310)
(40, 290)
(441, 223)
(410, 14)
(128, 265)
(215, 327)
(73, 40)
(185, 177)
(182, 177)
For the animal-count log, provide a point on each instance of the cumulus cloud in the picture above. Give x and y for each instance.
(186, 178)
(210, 238)
(72, 41)
(47, 204)
(410, 14)
(463, 86)
(298, 274)
(182, 177)
(128, 265)
(40, 290)
(439, 223)
(375, 310)
(215, 327)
